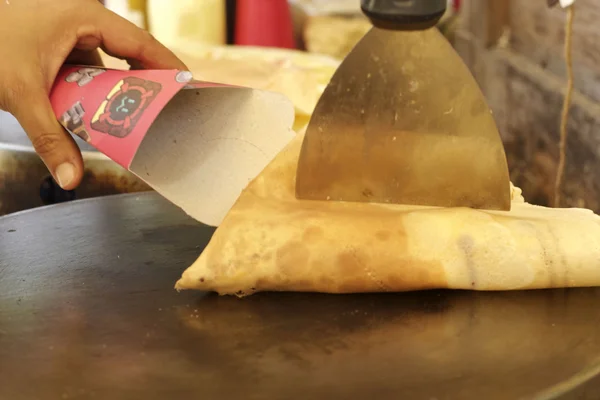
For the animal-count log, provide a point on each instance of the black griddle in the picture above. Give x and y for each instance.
(88, 311)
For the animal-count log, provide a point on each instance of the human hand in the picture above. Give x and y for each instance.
(36, 38)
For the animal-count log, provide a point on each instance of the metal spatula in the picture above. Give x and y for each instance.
(403, 121)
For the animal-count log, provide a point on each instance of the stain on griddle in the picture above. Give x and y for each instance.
(315, 312)
(299, 329)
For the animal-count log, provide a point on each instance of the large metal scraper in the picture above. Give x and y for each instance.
(403, 121)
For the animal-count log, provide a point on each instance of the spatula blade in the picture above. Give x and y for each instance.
(404, 121)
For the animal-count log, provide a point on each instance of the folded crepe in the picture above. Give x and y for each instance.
(271, 241)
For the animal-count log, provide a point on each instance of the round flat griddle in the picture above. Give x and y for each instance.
(88, 310)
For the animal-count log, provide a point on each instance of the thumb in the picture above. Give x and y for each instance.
(53, 144)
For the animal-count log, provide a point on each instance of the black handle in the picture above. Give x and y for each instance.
(404, 14)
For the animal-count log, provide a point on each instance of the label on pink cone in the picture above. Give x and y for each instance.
(112, 109)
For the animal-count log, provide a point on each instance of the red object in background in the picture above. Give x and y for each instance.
(456, 5)
(265, 23)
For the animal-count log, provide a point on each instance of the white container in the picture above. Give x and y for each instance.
(198, 21)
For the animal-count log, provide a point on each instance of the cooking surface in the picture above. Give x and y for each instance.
(88, 310)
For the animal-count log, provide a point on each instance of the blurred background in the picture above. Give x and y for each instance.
(514, 48)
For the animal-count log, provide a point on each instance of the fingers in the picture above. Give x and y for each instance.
(123, 39)
(53, 144)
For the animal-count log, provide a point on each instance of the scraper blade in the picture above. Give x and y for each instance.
(404, 121)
